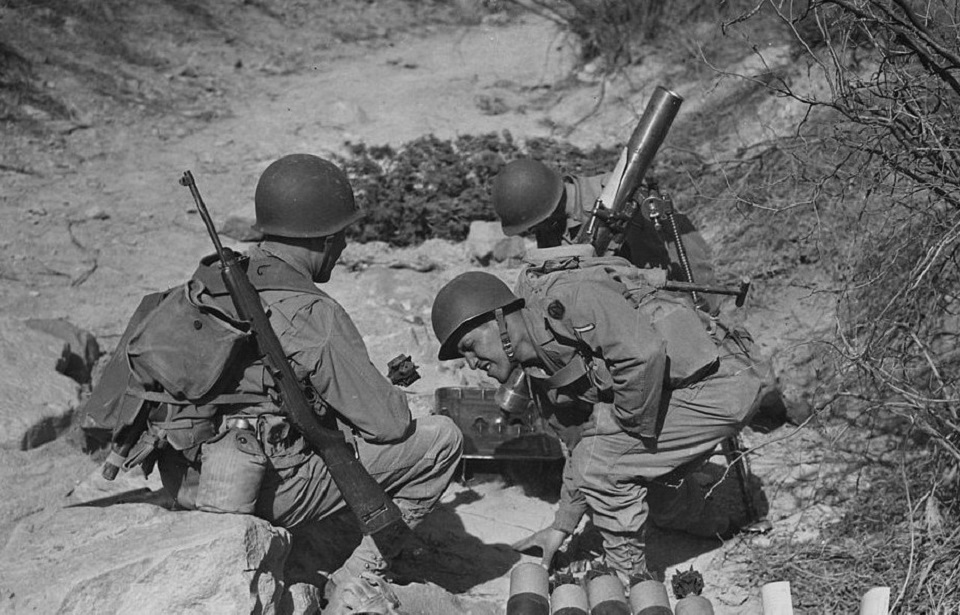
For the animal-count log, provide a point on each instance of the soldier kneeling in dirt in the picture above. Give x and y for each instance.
(303, 204)
(651, 409)
(530, 196)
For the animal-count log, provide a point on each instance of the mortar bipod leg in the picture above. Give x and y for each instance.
(736, 457)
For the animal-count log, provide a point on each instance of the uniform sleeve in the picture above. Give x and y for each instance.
(326, 347)
(633, 352)
(572, 504)
(582, 194)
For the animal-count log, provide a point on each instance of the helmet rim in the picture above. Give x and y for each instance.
(465, 302)
(304, 196)
(525, 193)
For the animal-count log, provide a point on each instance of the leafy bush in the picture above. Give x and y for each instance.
(433, 188)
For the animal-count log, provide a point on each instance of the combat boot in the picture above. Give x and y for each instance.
(359, 586)
(624, 554)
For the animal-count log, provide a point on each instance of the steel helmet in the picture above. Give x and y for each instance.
(525, 193)
(302, 195)
(467, 300)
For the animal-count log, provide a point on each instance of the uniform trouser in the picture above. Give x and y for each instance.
(414, 471)
(616, 471)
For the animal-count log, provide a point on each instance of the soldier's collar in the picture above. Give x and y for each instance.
(536, 323)
(258, 251)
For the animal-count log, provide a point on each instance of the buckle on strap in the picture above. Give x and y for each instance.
(504, 336)
(244, 423)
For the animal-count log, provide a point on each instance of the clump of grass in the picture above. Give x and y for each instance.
(895, 533)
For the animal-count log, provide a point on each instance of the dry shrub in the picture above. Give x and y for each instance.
(897, 533)
(614, 30)
(878, 168)
(890, 66)
(876, 164)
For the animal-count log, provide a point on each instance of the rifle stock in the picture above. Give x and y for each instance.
(377, 513)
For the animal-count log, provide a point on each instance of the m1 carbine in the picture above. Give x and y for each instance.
(377, 513)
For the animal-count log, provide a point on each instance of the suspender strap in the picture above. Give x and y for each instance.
(566, 375)
(504, 336)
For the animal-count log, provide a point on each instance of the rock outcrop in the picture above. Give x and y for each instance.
(36, 401)
(140, 558)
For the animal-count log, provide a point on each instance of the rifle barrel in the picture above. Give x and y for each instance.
(188, 181)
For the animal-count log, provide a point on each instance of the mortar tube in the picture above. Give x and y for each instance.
(693, 605)
(569, 599)
(529, 590)
(650, 598)
(606, 596)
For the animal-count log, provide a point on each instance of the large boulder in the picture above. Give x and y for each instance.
(80, 351)
(36, 401)
(140, 558)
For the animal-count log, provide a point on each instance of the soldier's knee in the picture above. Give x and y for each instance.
(447, 440)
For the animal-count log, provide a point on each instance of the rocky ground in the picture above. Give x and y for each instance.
(92, 218)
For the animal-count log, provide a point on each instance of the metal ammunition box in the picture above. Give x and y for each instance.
(489, 433)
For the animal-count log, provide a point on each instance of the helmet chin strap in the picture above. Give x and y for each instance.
(505, 337)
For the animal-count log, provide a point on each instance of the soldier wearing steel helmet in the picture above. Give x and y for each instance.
(303, 206)
(641, 430)
(530, 196)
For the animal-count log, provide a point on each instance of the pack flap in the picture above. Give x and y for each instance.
(109, 407)
(187, 348)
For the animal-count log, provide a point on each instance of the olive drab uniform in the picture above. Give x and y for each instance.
(641, 426)
(648, 248)
(413, 460)
(643, 245)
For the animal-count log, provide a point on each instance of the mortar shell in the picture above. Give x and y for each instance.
(650, 598)
(693, 605)
(529, 590)
(569, 599)
(606, 596)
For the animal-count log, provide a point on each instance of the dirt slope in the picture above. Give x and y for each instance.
(91, 218)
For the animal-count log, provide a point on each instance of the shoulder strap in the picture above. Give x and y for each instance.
(268, 273)
(566, 375)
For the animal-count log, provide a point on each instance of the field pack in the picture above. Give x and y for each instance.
(184, 356)
(691, 346)
(175, 351)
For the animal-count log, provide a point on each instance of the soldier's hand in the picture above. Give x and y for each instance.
(547, 539)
